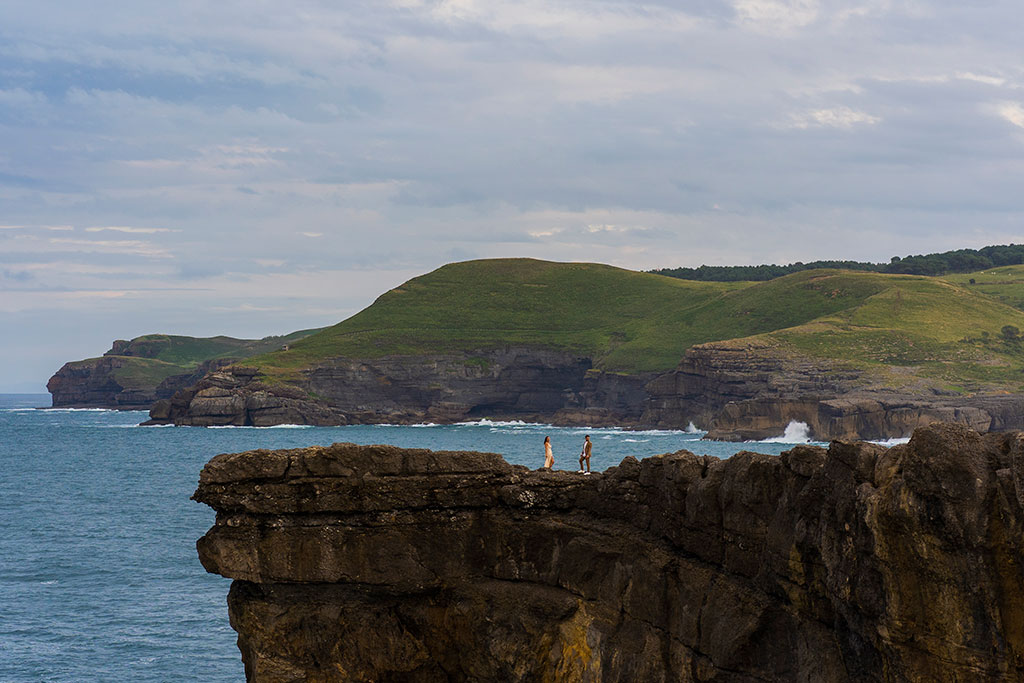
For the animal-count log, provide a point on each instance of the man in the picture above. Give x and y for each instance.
(585, 454)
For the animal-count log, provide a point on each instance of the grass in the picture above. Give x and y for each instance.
(943, 331)
(627, 321)
(155, 357)
(1004, 284)
(905, 329)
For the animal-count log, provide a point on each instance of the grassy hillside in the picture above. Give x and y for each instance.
(919, 328)
(910, 329)
(152, 358)
(617, 316)
(627, 321)
(1004, 284)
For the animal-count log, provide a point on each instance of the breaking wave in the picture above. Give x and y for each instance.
(895, 441)
(796, 432)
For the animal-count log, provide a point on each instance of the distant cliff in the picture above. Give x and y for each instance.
(135, 373)
(852, 354)
(751, 389)
(853, 564)
(736, 391)
(510, 383)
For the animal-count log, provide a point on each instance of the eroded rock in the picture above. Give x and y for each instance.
(858, 563)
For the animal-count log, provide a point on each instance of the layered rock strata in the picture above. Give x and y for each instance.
(510, 383)
(858, 563)
(737, 391)
(751, 391)
(95, 383)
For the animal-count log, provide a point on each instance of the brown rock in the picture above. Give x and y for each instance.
(853, 564)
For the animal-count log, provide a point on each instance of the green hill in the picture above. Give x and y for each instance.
(639, 322)
(916, 328)
(152, 358)
(1004, 284)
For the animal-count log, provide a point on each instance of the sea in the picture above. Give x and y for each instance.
(99, 578)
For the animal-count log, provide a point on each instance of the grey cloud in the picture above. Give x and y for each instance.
(707, 131)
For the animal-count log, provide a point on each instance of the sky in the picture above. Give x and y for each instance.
(254, 168)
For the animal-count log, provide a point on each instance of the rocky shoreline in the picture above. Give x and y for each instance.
(856, 563)
(737, 393)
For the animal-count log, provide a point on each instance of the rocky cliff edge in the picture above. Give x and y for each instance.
(855, 563)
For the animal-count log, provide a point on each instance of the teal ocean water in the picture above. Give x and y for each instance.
(99, 579)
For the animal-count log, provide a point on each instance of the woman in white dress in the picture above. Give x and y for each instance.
(549, 457)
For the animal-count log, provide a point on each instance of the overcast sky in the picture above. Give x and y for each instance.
(252, 168)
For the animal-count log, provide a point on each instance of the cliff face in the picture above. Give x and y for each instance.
(853, 564)
(747, 391)
(135, 373)
(95, 383)
(751, 391)
(510, 383)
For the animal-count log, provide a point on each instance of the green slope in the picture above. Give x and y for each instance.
(907, 328)
(627, 321)
(152, 358)
(919, 328)
(1005, 284)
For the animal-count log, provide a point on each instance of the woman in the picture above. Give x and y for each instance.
(549, 458)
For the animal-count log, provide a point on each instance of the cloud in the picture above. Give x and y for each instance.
(839, 117)
(776, 16)
(128, 229)
(1012, 112)
(182, 155)
(135, 247)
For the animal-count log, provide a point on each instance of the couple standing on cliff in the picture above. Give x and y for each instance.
(549, 457)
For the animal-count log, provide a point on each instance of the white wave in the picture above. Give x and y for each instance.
(796, 432)
(694, 429)
(484, 422)
(286, 426)
(48, 583)
(665, 432)
(895, 441)
(636, 440)
(134, 426)
(86, 410)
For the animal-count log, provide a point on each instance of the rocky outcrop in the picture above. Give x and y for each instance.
(234, 397)
(866, 415)
(508, 383)
(752, 389)
(136, 373)
(853, 564)
(101, 383)
(746, 390)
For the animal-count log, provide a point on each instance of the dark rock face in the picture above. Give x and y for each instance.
(510, 383)
(751, 392)
(747, 391)
(93, 384)
(858, 563)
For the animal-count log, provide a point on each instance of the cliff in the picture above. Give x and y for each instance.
(135, 373)
(739, 391)
(523, 383)
(122, 383)
(853, 355)
(751, 389)
(858, 563)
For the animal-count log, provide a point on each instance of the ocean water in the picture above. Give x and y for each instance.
(99, 579)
